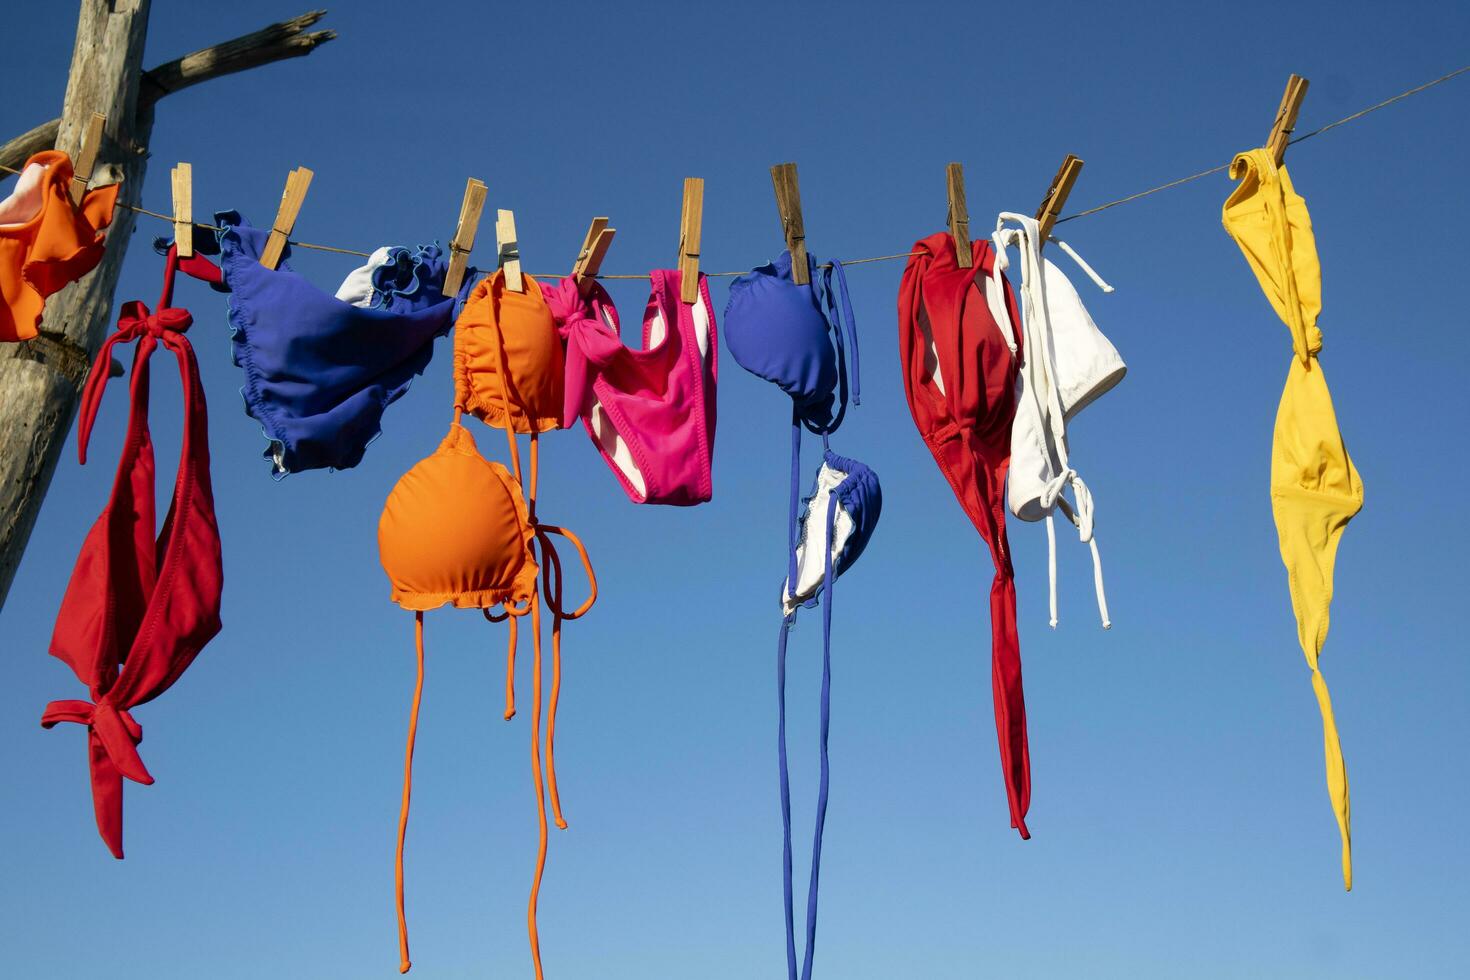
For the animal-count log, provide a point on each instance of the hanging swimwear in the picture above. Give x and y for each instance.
(137, 611)
(792, 336)
(1068, 366)
(46, 241)
(396, 279)
(320, 371)
(461, 530)
(650, 412)
(497, 319)
(1315, 489)
(960, 339)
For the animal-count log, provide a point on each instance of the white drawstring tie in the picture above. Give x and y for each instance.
(1082, 264)
(1082, 515)
(1039, 342)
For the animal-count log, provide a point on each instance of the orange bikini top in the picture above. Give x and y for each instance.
(461, 530)
(456, 530)
(504, 332)
(46, 242)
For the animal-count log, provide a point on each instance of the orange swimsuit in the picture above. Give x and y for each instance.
(459, 530)
(46, 242)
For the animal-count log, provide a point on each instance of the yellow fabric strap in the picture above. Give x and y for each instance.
(1337, 780)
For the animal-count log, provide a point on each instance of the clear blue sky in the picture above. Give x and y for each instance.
(1181, 823)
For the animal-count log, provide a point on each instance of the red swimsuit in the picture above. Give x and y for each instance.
(959, 374)
(136, 611)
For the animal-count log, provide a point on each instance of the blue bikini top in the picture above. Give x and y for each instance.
(792, 336)
(797, 337)
(320, 371)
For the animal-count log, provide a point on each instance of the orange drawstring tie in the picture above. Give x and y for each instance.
(510, 671)
(536, 778)
(551, 574)
(413, 727)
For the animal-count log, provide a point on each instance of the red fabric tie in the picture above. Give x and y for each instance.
(117, 731)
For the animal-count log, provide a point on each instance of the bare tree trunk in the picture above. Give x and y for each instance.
(40, 379)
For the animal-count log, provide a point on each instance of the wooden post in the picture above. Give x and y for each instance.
(793, 225)
(465, 229)
(959, 215)
(297, 182)
(86, 157)
(41, 379)
(182, 178)
(1285, 122)
(594, 249)
(691, 222)
(508, 247)
(1057, 194)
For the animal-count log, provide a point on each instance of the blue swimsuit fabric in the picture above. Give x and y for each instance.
(800, 337)
(319, 372)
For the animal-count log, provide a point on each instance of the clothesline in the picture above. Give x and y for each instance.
(903, 255)
(1305, 136)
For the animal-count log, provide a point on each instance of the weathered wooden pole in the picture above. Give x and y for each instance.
(40, 379)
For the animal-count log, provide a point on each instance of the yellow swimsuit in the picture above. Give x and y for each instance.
(1315, 490)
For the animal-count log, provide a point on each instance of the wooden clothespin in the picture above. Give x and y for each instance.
(1281, 129)
(594, 250)
(959, 215)
(1056, 194)
(788, 206)
(297, 181)
(81, 174)
(183, 188)
(510, 250)
(691, 222)
(463, 241)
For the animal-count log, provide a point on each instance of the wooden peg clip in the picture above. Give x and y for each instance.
(510, 250)
(183, 190)
(297, 181)
(594, 249)
(1057, 193)
(959, 215)
(691, 221)
(788, 206)
(463, 241)
(1281, 128)
(86, 161)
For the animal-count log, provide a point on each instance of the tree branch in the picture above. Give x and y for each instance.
(274, 43)
(26, 145)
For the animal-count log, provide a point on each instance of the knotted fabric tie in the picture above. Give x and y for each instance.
(1081, 515)
(134, 323)
(117, 732)
(112, 739)
(136, 319)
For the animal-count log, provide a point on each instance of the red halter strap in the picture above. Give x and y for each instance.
(138, 610)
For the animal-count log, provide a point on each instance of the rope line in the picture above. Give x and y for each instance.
(1305, 136)
(903, 255)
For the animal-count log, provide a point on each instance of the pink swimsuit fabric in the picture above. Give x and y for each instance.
(650, 411)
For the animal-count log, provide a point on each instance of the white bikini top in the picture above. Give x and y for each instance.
(1067, 364)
